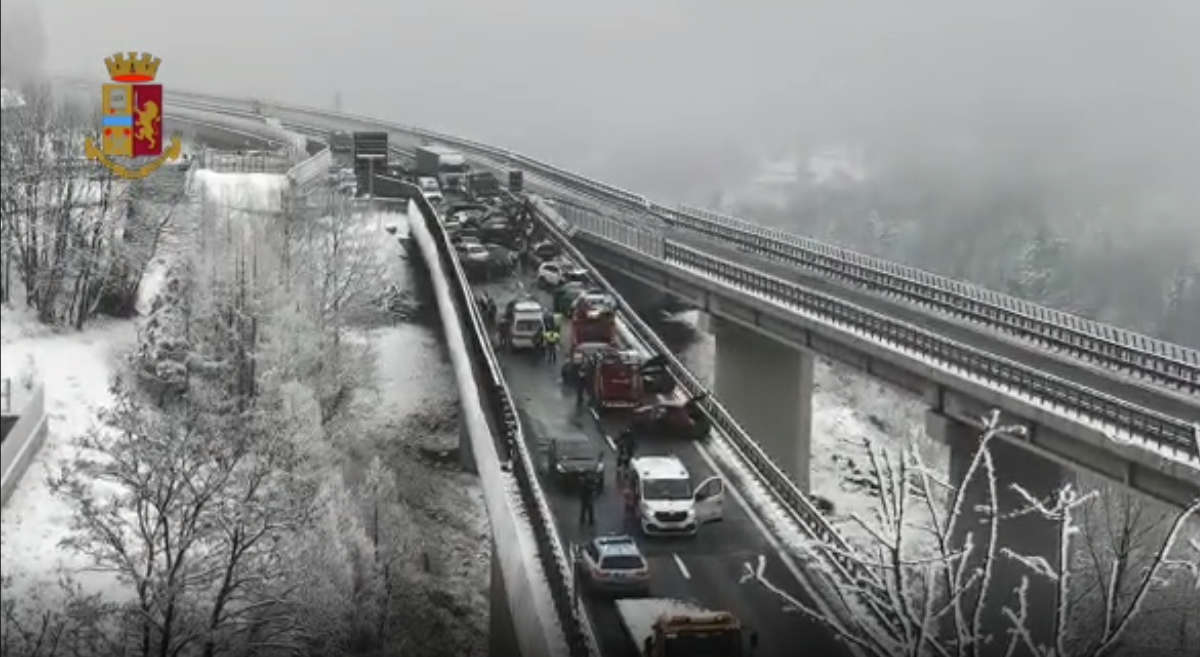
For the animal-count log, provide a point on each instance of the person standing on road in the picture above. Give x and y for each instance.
(539, 343)
(587, 496)
(551, 345)
(503, 331)
(625, 446)
(581, 380)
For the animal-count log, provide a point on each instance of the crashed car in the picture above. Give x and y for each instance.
(656, 379)
(571, 462)
(546, 250)
(565, 295)
(679, 418)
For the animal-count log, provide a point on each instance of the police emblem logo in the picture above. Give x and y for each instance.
(132, 121)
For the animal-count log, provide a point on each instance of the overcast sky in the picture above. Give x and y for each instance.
(1109, 79)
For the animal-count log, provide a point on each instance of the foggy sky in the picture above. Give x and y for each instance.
(1096, 81)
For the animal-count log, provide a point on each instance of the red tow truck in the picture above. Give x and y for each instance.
(593, 318)
(618, 379)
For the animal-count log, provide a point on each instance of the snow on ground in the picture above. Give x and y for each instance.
(413, 427)
(847, 407)
(75, 368)
(10, 98)
(836, 164)
(248, 191)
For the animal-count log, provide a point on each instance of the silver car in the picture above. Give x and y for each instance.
(612, 564)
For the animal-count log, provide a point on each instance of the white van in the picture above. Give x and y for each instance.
(527, 323)
(667, 503)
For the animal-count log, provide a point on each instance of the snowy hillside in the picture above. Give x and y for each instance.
(10, 98)
(778, 180)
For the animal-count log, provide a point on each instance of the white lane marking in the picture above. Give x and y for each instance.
(607, 438)
(772, 541)
(682, 568)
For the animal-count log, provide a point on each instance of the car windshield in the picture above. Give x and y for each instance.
(666, 489)
(622, 562)
(577, 449)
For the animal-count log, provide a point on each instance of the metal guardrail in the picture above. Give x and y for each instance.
(243, 162)
(1107, 345)
(503, 415)
(785, 491)
(1139, 424)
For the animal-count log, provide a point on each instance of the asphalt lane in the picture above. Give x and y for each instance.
(706, 569)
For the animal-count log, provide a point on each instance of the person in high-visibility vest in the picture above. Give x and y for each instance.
(551, 341)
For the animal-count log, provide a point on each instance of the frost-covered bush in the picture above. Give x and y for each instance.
(161, 359)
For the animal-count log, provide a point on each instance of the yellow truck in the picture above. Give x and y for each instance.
(665, 627)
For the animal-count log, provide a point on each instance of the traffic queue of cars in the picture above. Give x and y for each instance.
(492, 236)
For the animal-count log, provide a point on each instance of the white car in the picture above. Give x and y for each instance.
(553, 274)
(666, 502)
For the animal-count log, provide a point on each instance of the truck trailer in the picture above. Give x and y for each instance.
(446, 164)
(665, 627)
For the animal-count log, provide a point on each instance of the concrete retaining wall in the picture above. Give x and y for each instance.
(535, 626)
(22, 443)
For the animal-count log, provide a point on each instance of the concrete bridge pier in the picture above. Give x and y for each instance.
(1029, 534)
(767, 385)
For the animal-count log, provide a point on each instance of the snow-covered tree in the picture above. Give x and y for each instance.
(937, 601)
(187, 506)
(77, 238)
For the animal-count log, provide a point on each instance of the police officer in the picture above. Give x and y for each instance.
(551, 345)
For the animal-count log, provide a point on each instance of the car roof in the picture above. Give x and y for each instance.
(527, 305)
(617, 546)
(660, 467)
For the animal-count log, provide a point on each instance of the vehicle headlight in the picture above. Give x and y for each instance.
(560, 467)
